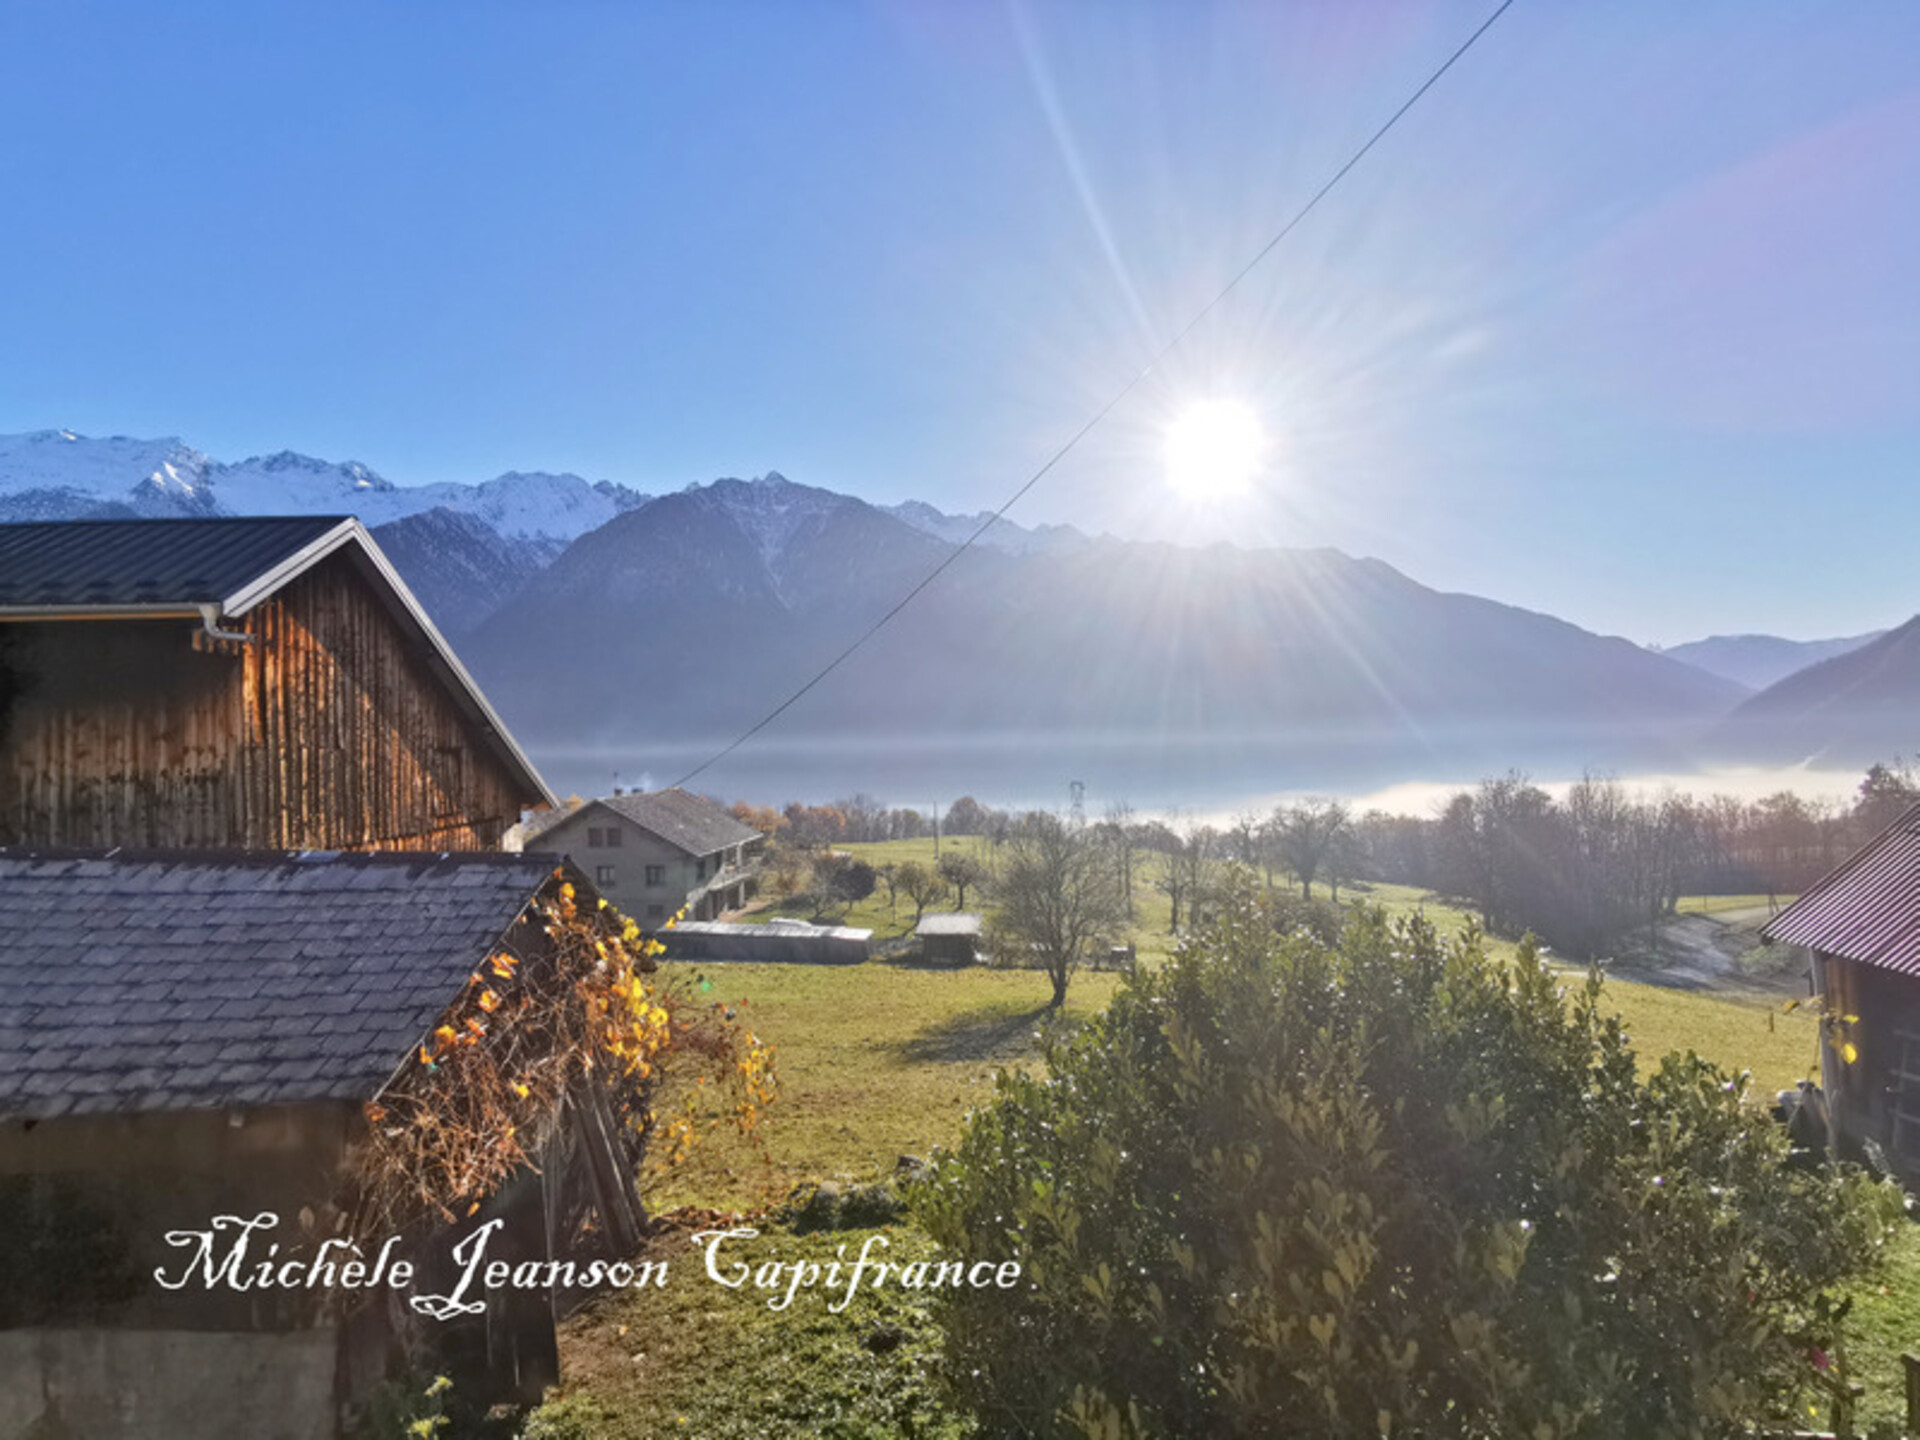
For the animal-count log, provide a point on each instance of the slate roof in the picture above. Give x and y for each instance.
(144, 563)
(222, 566)
(1868, 908)
(135, 981)
(692, 822)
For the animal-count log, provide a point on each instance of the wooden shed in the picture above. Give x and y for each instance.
(253, 683)
(1862, 924)
(949, 939)
(197, 1034)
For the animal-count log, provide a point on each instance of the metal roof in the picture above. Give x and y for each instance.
(78, 568)
(151, 981)
(687, 821)
(792, 929)
(141, 564)
(1867, 909)
(959, 922)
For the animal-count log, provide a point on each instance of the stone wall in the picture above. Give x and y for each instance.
(143, 1384)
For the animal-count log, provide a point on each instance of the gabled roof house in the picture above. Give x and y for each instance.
(207, 729)
(659, 853)
(260, 683)
(195, 1034)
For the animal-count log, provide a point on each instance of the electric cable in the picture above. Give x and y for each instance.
(1101, 414)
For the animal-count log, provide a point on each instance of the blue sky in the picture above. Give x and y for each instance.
(1622, 323)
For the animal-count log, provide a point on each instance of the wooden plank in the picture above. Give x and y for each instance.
(613, 1183)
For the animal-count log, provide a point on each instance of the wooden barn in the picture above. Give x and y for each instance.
(1862, 924)
(250, 683)
(197, 1034)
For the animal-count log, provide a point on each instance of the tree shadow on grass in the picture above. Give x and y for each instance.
(989, 1033)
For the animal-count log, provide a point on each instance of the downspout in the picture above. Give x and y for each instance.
(210, 623)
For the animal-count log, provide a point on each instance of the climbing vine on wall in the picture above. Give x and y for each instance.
(571, 1005)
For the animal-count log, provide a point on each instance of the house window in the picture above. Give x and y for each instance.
(603, 875)
(613, 838)
(700, 870)
(594, 839)
(656, 874)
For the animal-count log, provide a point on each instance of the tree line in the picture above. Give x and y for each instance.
(1589, 872)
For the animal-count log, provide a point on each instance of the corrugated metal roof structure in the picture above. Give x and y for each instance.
(691, 822)
(1867, 909)
(960, 922)
(146, 563)
(219, 568)
(171, 980)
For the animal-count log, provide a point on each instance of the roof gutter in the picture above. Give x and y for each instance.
(210, 623)
(96, 612)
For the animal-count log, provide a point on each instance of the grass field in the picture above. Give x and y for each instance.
(1721, 904)
(875, 1061)
(885, 1059)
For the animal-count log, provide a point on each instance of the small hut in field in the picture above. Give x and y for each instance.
(949, 939)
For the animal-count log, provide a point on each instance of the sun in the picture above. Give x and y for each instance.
(1214, 449)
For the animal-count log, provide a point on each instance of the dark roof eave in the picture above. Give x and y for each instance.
(348, 533)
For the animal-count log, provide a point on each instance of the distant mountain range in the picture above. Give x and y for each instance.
(621, 632)
(58, 475)
(1849, 710)
(1761, 660)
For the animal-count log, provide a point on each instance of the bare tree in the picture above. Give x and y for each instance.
(1306, 833)
(1186, 874)
(1117, 829)
(1243, 838)
(921, 884)
(962, 868)
(1057, 900)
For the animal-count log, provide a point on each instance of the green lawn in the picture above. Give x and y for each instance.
(874, 1061)
(1720, 904)
(885, 1059)
(887, 921)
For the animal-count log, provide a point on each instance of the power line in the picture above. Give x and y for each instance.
(1101, 414)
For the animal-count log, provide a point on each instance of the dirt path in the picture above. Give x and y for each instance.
(1722, 952)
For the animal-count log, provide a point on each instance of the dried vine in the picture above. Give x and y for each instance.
(568, 1005)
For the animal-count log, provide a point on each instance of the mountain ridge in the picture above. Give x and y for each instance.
(603, 621)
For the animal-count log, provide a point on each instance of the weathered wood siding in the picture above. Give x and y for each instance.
(331, 732)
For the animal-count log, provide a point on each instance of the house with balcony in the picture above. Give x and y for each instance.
(654, 855)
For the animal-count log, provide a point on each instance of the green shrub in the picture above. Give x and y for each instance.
(1385, 1187)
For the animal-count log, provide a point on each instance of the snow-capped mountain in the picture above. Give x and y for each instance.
(536, 505)
(58, 475)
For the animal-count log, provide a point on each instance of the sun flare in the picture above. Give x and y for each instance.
(1214, 449)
